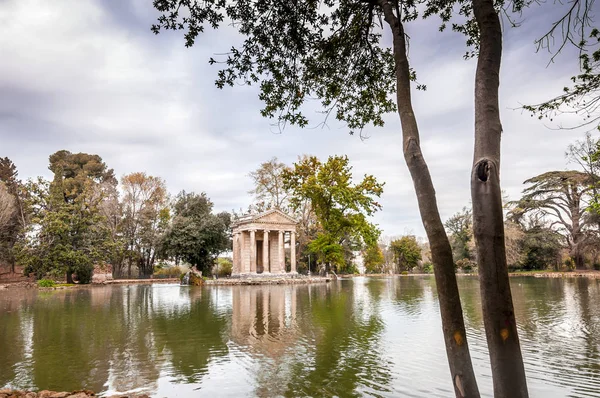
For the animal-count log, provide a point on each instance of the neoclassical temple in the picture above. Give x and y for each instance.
(259, 243)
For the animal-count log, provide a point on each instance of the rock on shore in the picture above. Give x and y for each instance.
(7, 393)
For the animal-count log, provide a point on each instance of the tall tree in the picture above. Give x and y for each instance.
(341, 207)
(508, 371)
(541, 247)
(460, 227)
(373, 260)
(14, 212)
(268, 188)
(70, 238)
(145, 219)
(334, 51)
(407, 252)
(75, 172)
(67, 237)
(111, 210)
(8, 210)
(560, 196)
(196, 235)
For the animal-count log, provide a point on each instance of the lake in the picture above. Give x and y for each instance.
(359, 337)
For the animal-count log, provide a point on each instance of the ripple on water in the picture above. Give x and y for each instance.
(371, 337)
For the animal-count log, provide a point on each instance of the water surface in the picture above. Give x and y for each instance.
(361, 337)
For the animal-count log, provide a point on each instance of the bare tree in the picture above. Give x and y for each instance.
(8, 210)
(145, 209)
(268, 188)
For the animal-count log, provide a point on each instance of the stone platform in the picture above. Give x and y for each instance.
(285, 279)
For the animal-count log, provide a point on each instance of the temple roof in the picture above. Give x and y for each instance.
(273, 216)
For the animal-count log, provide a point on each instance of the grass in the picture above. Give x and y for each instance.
(46, 283)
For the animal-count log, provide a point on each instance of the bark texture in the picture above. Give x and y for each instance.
(488, 224)
(457, 349)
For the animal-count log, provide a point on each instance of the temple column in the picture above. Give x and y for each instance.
(281, 253)
(293, 252)
(242, 252)
(266, 265)
(236, 258)
(252, 250)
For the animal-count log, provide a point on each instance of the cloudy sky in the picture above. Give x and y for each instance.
(89, 76)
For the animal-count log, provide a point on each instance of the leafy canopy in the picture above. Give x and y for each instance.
(69, 234)
(373, 260)
(460, 227)
(407, 252)
(196, 235)
(341, 207)
(299, 51)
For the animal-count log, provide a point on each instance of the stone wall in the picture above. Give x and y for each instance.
(102, 273)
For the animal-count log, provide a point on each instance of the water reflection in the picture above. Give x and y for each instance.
(377, 337)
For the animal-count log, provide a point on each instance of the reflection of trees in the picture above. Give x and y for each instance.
(538, 302)
(471, 301)
(559, 329)
(191, 336)
(589, 364)
(376, 287)
(134, 362)
(14, 317)
(345, 357)
(69, 342)
(317, 340)
(11, 345)
(408, 293)
(81, 338)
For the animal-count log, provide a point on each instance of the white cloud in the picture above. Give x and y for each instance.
(85, 77)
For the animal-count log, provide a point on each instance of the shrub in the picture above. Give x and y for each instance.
(347, 268)
(428, 268)
(569, 264)
(466, 265)
(596, 266)
(46, 283)
(224, 267)
(302, 268)
(404, 272)
(84, 273)
(168, 272)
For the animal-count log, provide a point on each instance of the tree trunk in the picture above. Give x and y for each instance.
(455, 339)
(70, 277)
(488, 227)
(576, 255)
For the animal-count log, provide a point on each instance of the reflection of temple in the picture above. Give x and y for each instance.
(264, 317)
(258, 243)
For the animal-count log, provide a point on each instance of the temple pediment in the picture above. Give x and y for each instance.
(274, 216)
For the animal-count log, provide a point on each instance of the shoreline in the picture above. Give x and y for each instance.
(244, 281)
(560, 274)
(268, 280)
(301, 279)
(10, 393)
(591, 274)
